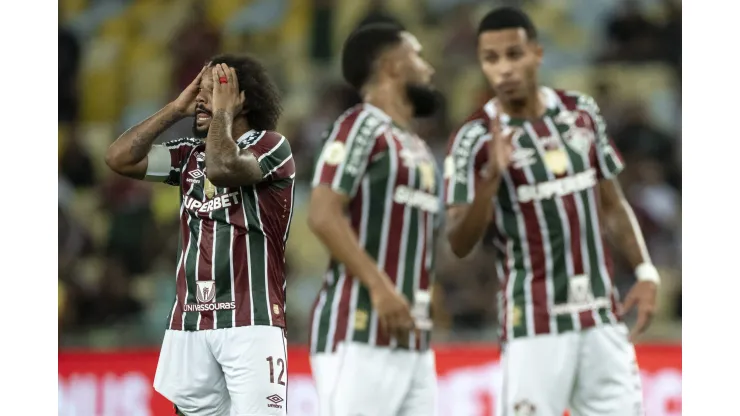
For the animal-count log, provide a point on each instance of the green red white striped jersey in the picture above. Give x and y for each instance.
(231, 259)
(394, 187)
(551, 258)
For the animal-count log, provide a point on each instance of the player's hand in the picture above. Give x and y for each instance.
(642, 295)
(185, 103)
(393, 311)
(226, 95)
(499, 149)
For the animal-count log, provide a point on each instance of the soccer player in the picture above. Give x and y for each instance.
(537, 162)
(224, 349)
(375, 200)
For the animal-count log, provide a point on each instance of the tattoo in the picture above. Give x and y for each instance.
(223, 154)
(144, 139)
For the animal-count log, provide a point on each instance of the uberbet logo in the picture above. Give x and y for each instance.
(215, 204)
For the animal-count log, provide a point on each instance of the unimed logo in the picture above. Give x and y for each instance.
(275, 399)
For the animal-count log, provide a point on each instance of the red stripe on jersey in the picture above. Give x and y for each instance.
(395, 234)
(205, 265)
(345, 292)
(275, 206)
(424, 273)
(610, 269)
(537, 258)
(342, 135)
(240, 259)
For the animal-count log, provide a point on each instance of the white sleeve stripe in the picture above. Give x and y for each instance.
(185, 141)
(471, 167)
(278, 166)
(277, 146)
(320, 162)
(350, 142)
(262, 134)
(158, 163)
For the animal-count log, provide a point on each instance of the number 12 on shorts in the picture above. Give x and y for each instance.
(281, 363)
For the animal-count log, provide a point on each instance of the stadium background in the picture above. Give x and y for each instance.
(121, 60)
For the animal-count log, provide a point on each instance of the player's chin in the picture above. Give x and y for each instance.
(201, 131)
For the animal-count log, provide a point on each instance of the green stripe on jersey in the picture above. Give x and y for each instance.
(597, 283)
(256, 247)
(270, 162)
(222, 265)
(191, 271)
(375, 198)
(322, 342)
(510, 224)
(412, 241)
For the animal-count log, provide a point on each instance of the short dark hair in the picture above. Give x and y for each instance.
(508, 18)
(362, 48)
(262, 96)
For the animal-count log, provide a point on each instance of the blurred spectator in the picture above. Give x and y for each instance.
(462, 37)
(196, 42)
(671, 36)
(469, 288)
(630, 35)
(69, 64)
(609, 106)
(660, 205)
(110, 301)
(76, 164)
(378, 13)
(636, 136)
(131, 233)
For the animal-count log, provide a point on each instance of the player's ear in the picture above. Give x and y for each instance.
(243, 104)
(538, 52)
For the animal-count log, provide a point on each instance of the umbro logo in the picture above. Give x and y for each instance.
(275, 399)
(197, 174)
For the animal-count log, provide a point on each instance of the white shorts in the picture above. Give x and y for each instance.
(591, 372)
(224, 372)
(360, 379)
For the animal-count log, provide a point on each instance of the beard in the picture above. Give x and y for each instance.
(425, 99)
(198, 133)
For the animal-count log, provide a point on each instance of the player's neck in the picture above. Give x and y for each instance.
(393, 102)
(530, 108)
(238, 128)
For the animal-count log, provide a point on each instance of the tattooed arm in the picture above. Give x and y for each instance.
(226, 164)
(128, 155)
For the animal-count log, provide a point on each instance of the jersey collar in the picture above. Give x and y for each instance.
(552, 103)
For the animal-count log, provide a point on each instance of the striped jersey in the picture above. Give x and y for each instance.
(231, 256)
(394, 187)
(551, 258)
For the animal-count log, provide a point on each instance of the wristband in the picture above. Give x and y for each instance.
(646, 272)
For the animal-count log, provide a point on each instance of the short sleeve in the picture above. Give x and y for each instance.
(273, 153)
(466, 156)
(345, 154)
(165, 161)
(609, 160)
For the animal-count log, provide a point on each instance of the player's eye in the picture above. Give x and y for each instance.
(515, 53)
(490, 57)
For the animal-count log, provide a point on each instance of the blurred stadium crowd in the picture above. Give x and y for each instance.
(121, 60)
